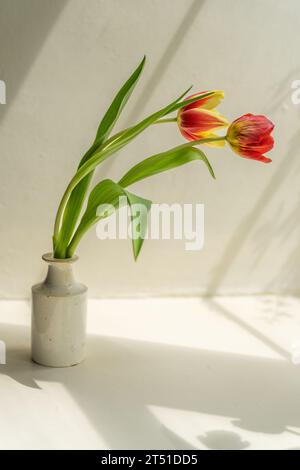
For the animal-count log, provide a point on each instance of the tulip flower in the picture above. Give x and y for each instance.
(197, 120)
(250, 137)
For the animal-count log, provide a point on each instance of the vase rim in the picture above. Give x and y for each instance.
(49, 258)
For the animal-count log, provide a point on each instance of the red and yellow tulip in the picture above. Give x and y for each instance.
(250, 137)
(198, 119)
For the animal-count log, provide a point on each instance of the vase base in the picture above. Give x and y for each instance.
(56, 366)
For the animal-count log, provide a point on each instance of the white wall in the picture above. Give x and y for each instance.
(62, 62)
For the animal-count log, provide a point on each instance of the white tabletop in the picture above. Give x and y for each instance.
(159, 374)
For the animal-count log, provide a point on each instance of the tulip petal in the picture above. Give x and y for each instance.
(187, 135)
(209, 102)
(250, 153)
(196, 121)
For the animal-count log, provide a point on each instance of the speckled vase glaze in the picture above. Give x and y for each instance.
(58, 327)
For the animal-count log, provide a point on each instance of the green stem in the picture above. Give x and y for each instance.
(75, 241)
(79, 175)
(163, 121)
(205, 141)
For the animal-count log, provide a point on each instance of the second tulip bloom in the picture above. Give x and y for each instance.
(199, 119)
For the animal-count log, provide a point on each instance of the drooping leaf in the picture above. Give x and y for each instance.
(105, 198)
(104, 193)
(139, 208)
(75, 202)
(164, 161)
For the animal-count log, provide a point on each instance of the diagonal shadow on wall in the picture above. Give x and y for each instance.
(166, 58)
(24, 26)
(241, 233)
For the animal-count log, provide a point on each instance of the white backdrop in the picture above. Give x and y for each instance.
(63, 60)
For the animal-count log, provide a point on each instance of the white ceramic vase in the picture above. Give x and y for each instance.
(58, 328)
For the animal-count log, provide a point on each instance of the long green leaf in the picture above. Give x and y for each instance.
(75, 202)
(118, 104)
(163, 162)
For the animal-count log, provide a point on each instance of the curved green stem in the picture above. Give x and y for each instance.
(84, 170)
(192, 143)
(81, 173)
(163, 121)
(75, 241)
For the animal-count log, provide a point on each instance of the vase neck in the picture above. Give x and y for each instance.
(60, 275)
